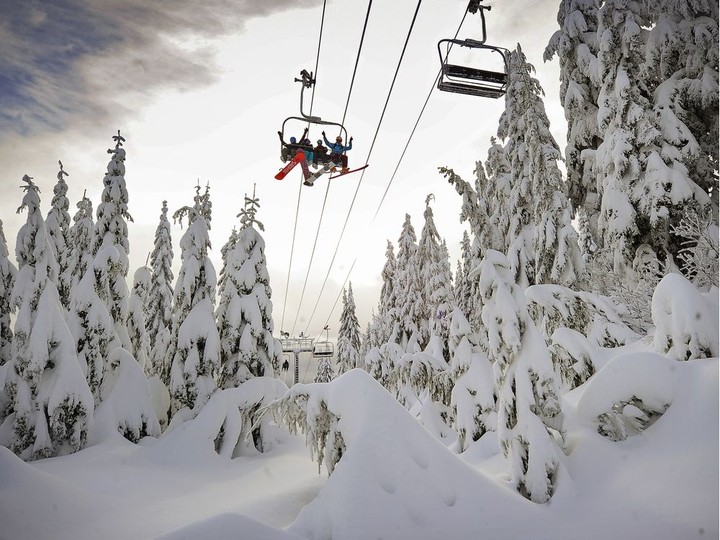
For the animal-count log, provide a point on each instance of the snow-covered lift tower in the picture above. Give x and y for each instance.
(297, 345)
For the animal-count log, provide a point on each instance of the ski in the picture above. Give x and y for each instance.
(317, 174)
(305, 168)
(299, 157)
(349, 172)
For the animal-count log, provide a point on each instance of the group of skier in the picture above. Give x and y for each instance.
(330, 154)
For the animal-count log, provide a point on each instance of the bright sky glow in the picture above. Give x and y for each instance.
(197, 102)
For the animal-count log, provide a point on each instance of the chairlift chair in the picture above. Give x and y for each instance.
(323, 349)
(307, 81)
(469, 80)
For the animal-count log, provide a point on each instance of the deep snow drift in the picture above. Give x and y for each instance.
(394, 479)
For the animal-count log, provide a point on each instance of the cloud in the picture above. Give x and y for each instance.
(88, 61)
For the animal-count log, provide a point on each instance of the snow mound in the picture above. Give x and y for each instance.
(392, 478)
(686, 320)
(223, 425)
(34, 504)
(227, 526)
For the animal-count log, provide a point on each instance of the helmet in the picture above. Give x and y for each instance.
(338, 138)
(319, 141)
(293, 139)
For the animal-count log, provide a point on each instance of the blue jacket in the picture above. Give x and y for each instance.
(336, 148)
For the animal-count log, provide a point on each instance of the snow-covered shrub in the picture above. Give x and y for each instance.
(686, 320)
(233, 422)
(418, 372)
(572, 355)
(126, 403)
(559, 310)
(325, 371)
(628, 394)
(701, 249)
(529, 413)
(304, 408)
(473, 394)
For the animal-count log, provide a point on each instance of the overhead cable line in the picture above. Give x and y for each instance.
(367, 160)
(327, 189)
(412, 133)
(297, 208)
(402, 155)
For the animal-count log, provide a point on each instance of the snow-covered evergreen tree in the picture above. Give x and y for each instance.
(126, 399)
(646, 184)
(543, 244)
(529, 414)
(387, 308)
(50, 403)
(194, 351)
(244, 314)
(136, 327)
(7, 278)
(111, 231)
(500, 187)
(159, 303)
(700, 251)
(433, 266)
(325, 372)
(348, 341)
(81, 238)
(442, 297)
(681, 65)
(58, 228)
(463, 290)
(407, 280)
(576, 44)
(473, 394)
(90, 321)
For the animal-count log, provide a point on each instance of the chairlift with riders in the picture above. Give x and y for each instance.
(294, 151)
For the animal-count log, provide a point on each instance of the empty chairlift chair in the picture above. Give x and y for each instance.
(463, 79)
(483, 70)
(323, 349)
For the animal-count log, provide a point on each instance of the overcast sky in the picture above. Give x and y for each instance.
(200, 91)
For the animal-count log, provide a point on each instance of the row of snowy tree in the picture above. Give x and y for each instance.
(488, 349)
(494, 348)
(77, 346)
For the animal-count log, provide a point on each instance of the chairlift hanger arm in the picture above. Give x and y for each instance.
(315, 120)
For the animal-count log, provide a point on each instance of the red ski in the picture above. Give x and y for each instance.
(349, 172)
(299, 157)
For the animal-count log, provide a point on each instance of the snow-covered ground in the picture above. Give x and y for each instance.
(395, 479)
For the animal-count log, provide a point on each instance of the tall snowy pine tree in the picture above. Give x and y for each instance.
(7, 278)
(348, 354)
(529, 411)
(159, 305)
(58, 228)
(50, 403)
(244, 314)
(195, 348)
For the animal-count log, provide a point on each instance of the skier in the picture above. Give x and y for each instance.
(307, 147)
(288, 150)
(320, 153)
(337, 151)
